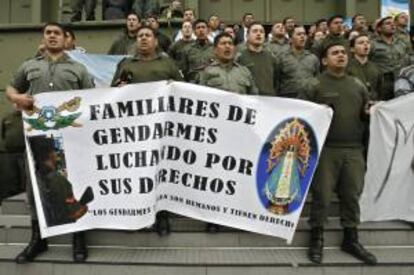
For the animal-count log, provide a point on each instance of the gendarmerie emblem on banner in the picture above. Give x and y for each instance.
(288, 156)
(52, 118)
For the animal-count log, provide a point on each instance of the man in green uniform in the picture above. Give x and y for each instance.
(390, 54)
(335, 26)
(178, 48)
(164, 42)
(401, 24)
(341, 164)
(260, 62)
(199, 54)
(147, 65)
(224, 73)
(53, 71)
(278, 42)
(297, 66)
(125, 43)
(360, 67)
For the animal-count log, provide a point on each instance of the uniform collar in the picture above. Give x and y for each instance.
(215, 62)
(138, 58)
(64, 58)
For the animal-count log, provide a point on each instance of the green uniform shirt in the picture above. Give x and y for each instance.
(197, 56)
(42, 74)
(177, 51)
(164, 42)
(124, 45)
(233, 78)
(277, 47)
(295, 72)
(404, 36)
(348, 97)
(136, 70)
(389, 58)
(369, 75)
(263, 66)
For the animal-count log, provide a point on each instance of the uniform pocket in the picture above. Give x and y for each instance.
(215, 82)
(33, 75)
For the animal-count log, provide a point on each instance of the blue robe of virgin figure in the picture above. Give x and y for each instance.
(283, 185)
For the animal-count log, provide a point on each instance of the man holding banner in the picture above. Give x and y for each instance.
(157, 67)
(341, 164)
(54, 71)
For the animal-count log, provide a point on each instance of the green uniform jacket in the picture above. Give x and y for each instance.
(164, 42)
(177, 52)
(136, 70)
(42, 74)
(389, 58)
(124, 45)
(296, 72)
(277, 47)
(369, 75)
(263, 66)
(197, 56)
(348, 98)
(233, 78)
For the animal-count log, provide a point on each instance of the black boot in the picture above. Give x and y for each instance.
(162, 224)
(315, 252)
(35, 246)
(213, 228)
(352, 246)
(80, 252)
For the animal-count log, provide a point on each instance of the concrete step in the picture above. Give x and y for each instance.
(210, 261)
(190, 233)
(16, 205)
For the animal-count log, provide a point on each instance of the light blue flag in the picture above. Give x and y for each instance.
(100, 66)
(394, 7)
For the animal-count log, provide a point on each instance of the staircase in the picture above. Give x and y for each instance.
(190, 250)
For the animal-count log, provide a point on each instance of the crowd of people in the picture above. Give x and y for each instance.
(347, 69)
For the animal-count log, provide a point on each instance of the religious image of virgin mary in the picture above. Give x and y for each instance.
(287, 163)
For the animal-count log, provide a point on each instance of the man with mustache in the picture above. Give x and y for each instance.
(52, 71)
(341, 165)
(146, 66)
(224, 73)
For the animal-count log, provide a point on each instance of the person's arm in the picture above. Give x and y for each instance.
(116, 79)
(176, 74)
(86, 79)
(16, 90)
(20, 101)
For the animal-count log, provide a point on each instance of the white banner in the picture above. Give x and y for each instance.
(389, 181)
(111, 158)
